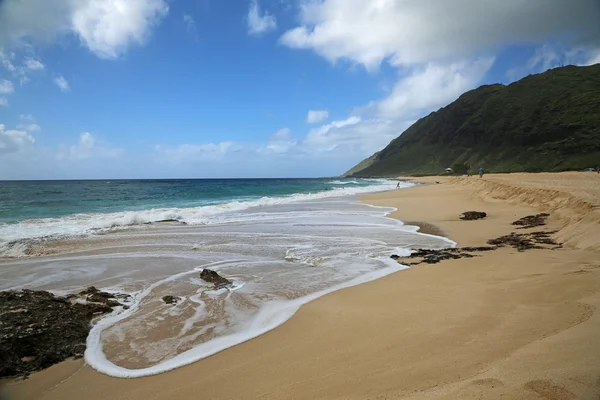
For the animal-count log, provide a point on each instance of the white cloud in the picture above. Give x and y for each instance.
(106, 27)
(417, 31)
(432, 86)
(190, 25)
(7, 61)
(259, 23)
(282, 134)
(194, 152)
(3, 102)
(88, 147)
(34, 65)
(12, 141)
(594, 58)
(29, 127)
(6, 87)
(316, 116)
(440, 49)
(62, 84)
(549, 56)
(26, 117)
(352, 136)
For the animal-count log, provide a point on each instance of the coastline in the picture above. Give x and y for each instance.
(508, 323)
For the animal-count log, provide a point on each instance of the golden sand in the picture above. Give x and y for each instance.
(506, 324)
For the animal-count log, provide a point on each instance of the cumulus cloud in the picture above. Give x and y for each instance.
(432, 86)
(20, 70)
(282, 134)
(12, 141)
(108, 27)
(548, 56)
(3, 102)
(6, 87)
(34, 65)
(197, 152)
(352, 137)
(26, 117)
(258, 22)
(62, 84)
(29, 127)
(419, 31)
(88, 147)
(105, 27)
(439, 49)
(316, 116)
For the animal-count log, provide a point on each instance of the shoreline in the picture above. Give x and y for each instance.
(473, 327)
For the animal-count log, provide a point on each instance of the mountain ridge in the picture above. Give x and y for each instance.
(543, 122)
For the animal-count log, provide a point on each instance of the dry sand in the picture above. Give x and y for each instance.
(503, 325)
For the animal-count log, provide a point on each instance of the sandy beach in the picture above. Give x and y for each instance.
(504, 324)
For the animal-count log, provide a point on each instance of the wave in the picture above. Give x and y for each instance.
(343, 182)
(14, 235)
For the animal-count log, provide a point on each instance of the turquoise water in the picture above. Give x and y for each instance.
(21, 200)
(41, 210)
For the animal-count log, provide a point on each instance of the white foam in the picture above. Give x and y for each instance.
(269, 317)
(13, 235)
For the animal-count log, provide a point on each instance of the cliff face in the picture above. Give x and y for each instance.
(544, 122)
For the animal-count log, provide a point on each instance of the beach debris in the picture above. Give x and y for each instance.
(171, 299)
(213, 277)
(532, 221)
(39, 329)
(472, 215)
(527, 241)
(429, 256)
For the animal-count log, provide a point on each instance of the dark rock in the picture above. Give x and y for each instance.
(472, 215)
(96, 296)
(39, 329)
(87, 291)
(170, 299)
(213, 277)
(531, 221)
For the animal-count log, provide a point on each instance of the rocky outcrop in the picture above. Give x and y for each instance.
(213, 277)
(472, 215)
(170, 299)
(39, 329)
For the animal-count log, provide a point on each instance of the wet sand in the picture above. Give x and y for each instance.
(505, 324)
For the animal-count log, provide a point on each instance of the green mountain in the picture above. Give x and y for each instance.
(544, 122)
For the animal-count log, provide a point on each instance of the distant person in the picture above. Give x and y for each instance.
(480, 172)
(398, 185)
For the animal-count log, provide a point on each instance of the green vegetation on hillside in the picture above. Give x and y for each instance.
(544, 122)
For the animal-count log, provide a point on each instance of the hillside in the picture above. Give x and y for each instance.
(544, 122)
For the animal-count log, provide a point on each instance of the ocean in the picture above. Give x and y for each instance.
(283, 243)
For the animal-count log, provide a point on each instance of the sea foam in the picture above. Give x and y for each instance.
(15, 238)
(268, 318)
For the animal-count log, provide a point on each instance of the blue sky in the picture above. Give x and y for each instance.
(244, 88)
